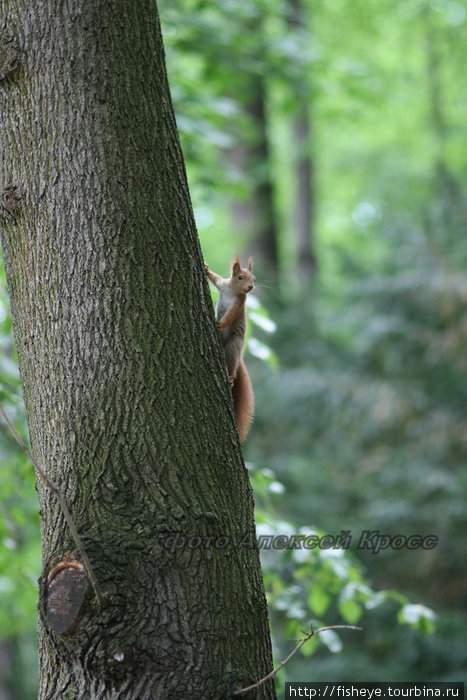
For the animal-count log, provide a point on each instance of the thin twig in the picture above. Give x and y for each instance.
(303, 641)
(61, 500)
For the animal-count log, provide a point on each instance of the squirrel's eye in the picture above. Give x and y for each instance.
(240, 277)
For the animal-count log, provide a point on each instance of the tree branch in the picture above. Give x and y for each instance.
(303, 641)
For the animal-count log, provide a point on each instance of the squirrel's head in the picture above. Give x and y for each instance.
(242, 280)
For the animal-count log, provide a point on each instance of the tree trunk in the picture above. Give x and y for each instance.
(303, 207)
(448, 216)
(255, 217)
(6, 665)
(127, 396)
(304, 199)
(264, 243)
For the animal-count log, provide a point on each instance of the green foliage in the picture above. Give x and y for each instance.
(19, 518)
(319, 586)
(19, 546)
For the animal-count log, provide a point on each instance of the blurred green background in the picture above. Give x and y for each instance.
(329, 139)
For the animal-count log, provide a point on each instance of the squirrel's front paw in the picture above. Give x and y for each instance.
(206, 266)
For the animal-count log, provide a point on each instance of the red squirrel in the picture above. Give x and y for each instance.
(231, 322)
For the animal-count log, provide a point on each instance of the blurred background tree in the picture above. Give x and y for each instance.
(328, 139)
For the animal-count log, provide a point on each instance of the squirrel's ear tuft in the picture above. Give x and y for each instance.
(250, 264)
(236, 267)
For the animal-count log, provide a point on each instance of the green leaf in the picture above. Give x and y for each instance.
(350, 610)
(318, 599)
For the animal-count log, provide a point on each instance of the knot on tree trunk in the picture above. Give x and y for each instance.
(9, 56)
(12, 198)
(66, 590)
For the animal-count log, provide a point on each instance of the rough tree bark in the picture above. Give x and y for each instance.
(127, 397)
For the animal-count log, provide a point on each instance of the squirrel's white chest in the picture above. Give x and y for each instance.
(225, 301)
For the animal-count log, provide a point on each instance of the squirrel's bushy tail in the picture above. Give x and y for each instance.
(244, 400)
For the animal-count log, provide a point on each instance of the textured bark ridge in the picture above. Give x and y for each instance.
(128, 401)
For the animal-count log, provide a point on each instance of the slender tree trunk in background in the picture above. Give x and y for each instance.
(303, 209)
(255, 216)
(127, 397)
(6, 665)
(304, 199)
(452, 216)
(438, 119)
(264, 243)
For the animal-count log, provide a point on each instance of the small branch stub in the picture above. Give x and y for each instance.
(9, 56)
(66, 589)
(12, 197)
